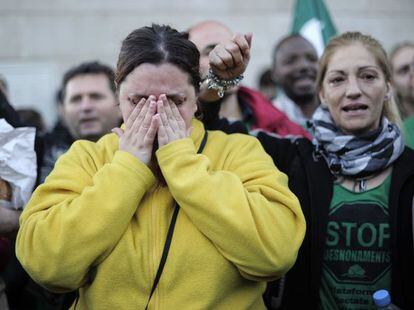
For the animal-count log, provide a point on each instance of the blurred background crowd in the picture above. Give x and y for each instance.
(42, 39)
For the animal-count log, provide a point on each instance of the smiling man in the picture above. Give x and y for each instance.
(294, 69)
(87, 107)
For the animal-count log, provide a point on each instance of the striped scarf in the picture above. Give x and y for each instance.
(349, 155)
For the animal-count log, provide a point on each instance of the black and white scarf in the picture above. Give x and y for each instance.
(349, 155)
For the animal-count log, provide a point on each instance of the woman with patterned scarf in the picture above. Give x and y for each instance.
(355, 183)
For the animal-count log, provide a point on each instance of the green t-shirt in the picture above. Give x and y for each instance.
(357, 256)
(409, 132)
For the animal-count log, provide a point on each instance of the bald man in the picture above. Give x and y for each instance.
(239, 103)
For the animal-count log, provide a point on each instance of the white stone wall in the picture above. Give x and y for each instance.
(40, 39)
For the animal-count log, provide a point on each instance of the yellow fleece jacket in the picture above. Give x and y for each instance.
(99, 223)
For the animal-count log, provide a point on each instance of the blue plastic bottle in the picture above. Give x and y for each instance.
(382, 300)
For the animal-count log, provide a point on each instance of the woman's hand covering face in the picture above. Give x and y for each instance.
(151, 118)
(140, 130)
(171, 125)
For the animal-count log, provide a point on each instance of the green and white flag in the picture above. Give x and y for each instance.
(312, 21)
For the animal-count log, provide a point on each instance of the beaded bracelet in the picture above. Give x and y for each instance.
(221, 85)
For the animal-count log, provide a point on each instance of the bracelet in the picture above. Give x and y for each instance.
(214, 82)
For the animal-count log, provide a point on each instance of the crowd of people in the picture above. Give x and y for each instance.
(168, 184)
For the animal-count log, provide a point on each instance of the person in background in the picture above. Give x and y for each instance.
(355, 183)
(294, 69)
(99, 223)
(18, 161)
(266, 84)
(87, 107)
(9, 218)
(409, 121)
(401, 59)
(10, 271)
(402, 64)
(239, 102)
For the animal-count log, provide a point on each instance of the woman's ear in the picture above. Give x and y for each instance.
(322, 98)
(389, 92)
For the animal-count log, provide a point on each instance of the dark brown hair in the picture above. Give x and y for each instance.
(84, 68)
(156, 45)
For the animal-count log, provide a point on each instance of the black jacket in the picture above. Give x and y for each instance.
(312, 182)
(53, 144)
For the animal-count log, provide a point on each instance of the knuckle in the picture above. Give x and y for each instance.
(233, 48)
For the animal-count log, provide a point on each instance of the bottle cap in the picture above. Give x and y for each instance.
(382, 298)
